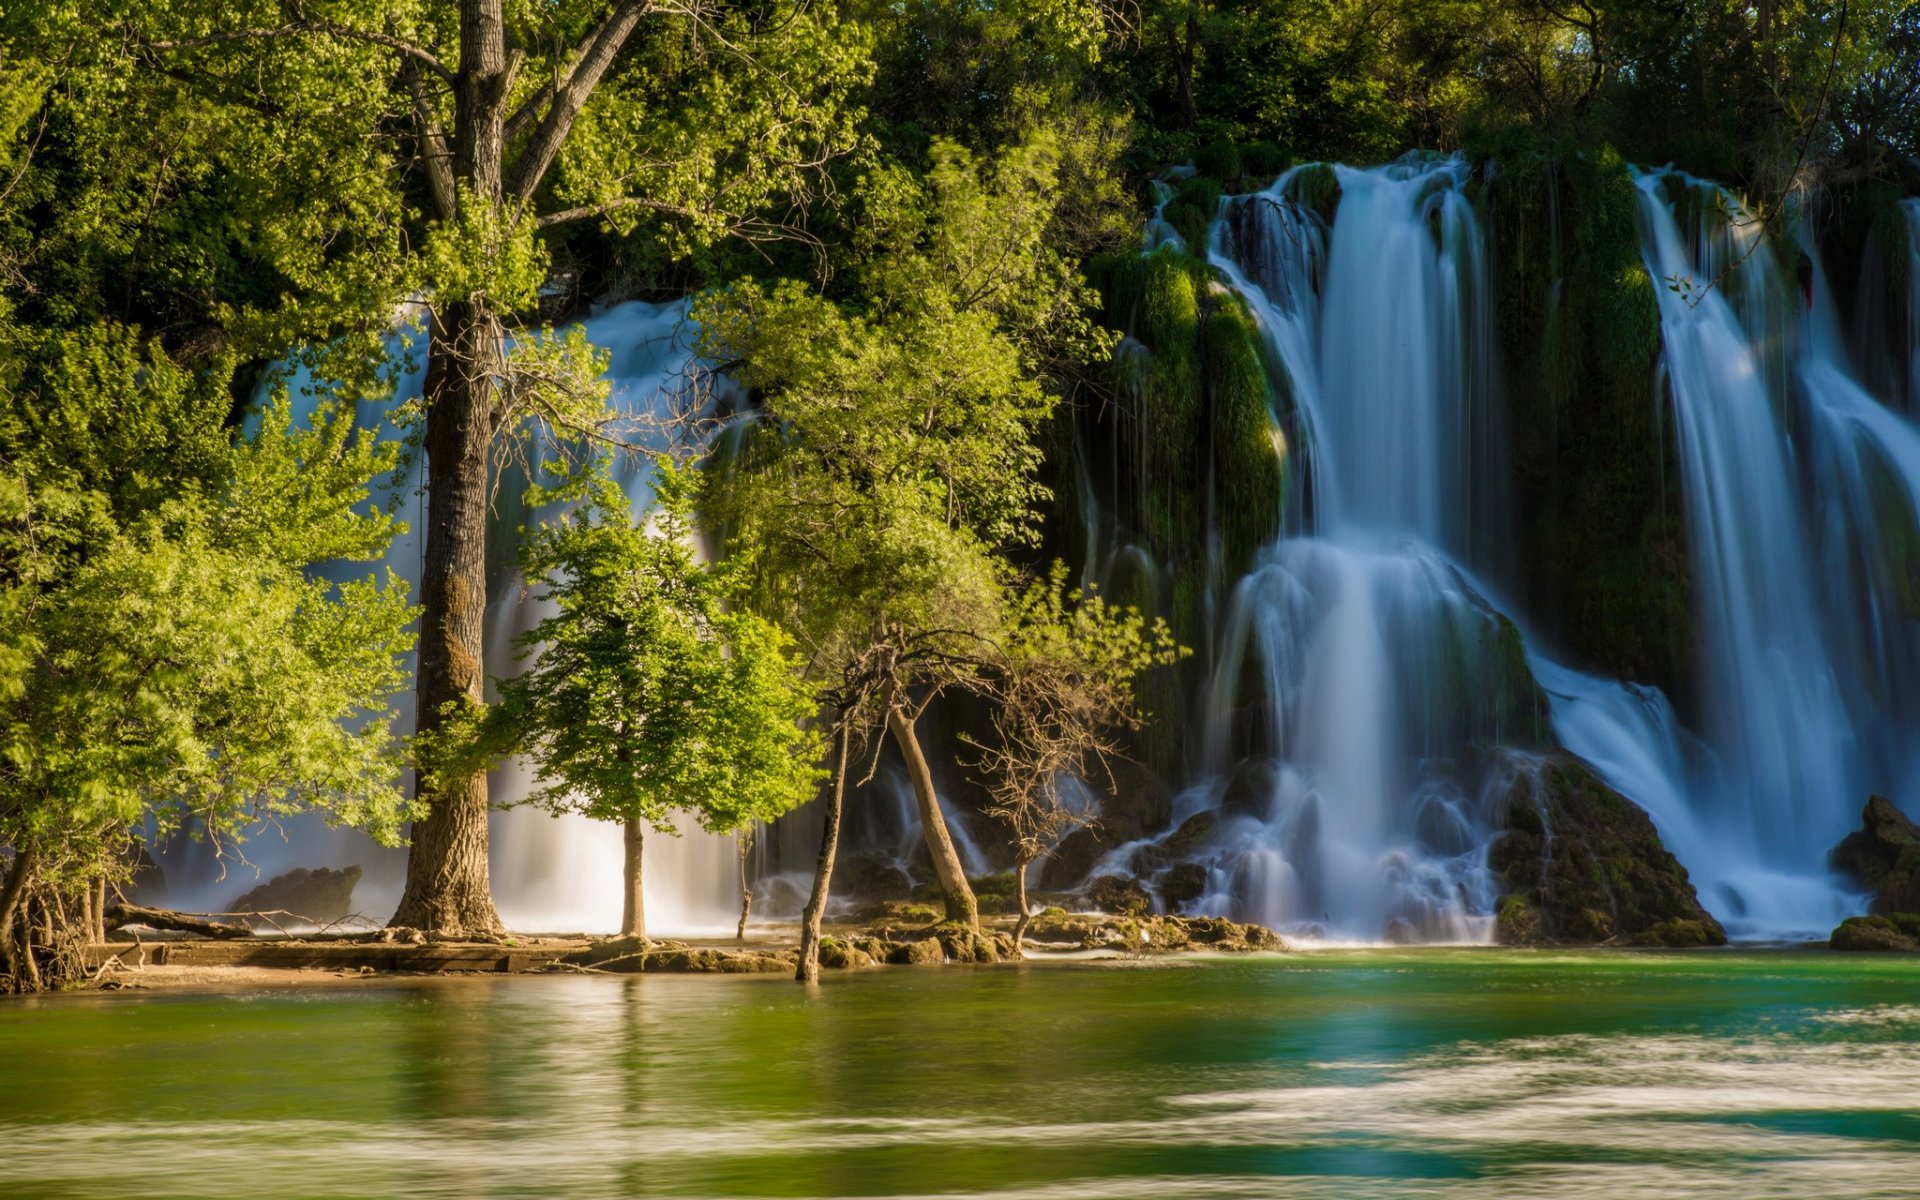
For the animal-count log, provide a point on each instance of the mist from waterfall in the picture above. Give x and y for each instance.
(551, 873)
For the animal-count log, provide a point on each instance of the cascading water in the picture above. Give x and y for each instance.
(1361, 662)
(549, 873)
(1352, 820)
(1367, 698)
(1801, 497)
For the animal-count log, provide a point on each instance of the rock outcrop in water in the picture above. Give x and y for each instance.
(1580, 863)
(1883, 858)
(320, 896)
(1899, 933)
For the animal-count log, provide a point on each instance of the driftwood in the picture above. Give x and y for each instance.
(161, 918)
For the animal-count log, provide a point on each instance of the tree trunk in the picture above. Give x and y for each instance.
(809, 971)
(745, 841)
(447, 885)
(1183, 59)
(961, 905)
(13, 910)
(1020, 898)
(633, 915)
(165, 918)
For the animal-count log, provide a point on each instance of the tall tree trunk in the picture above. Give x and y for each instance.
(447, 885)
(13, 911)
(809, 971)
(1020, 898)
(633, 914)
(1183, 59)
(947, 867)
(745, 841)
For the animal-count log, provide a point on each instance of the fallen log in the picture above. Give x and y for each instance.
(161, 918)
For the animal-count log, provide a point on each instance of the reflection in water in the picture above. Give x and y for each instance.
(1328, 1074)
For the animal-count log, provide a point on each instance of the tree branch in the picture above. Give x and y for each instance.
(296, 28)
(596, 210)
(590, 63)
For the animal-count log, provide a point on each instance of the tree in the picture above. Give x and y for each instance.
(165, 658)
(893, 459)
(647, 692)
(1063, 691)
(374, 151)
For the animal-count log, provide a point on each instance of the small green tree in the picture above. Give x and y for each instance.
(647, 693)
(1063, 690)
(895, 462)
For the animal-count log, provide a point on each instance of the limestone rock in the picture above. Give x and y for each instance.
(1898, 932)
(1579, 862)
(1119, 894)
(1184, 883)
(1883, 857)
(321, 895)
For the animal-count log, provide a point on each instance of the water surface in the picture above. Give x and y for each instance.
(1335, 1073)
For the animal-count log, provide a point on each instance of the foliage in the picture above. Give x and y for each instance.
(1063, 687)
(647, 692)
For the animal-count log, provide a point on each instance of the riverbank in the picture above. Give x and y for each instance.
(154, 963)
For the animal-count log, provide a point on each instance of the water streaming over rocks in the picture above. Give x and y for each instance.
(1366, 693)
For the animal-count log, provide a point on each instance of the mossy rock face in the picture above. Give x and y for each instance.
(1580, 863)
(838, 955)
(1120, 894)
(1893, 933)
(926, 952)
(1602, 551)
(1183, 883)
(320, 895)
(1883, 857)
(633, 956)
(1517, 922)
(1182, 843)
(1317, 187)
(872, 877)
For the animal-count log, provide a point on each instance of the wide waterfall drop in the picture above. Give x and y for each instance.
(549, 873)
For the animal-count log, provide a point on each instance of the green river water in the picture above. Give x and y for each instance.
(1332, 1073)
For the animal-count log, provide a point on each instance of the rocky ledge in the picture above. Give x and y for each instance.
(1580, 864)
(903, 943)
(1882, 858)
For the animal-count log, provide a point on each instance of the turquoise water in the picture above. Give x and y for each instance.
(1336, 1074)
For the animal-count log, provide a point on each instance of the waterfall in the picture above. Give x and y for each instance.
(1369, 650)
(549, 873)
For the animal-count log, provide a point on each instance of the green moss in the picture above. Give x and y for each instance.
(1220, 160)
(1191, 210)
(1247, 450)
(1261, 161)
(1603, 554)
(1317, 187)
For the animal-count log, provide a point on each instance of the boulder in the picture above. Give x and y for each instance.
(1251, 789)
(1072, 860)
(320, 896)
(1898, 932)
(1580, 863)
(1134, 804)
(1183, 883)
(872, 877)
(1883, 857)
(837, 955)
(1120, 894)
(926, 952)
(1193, 833)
